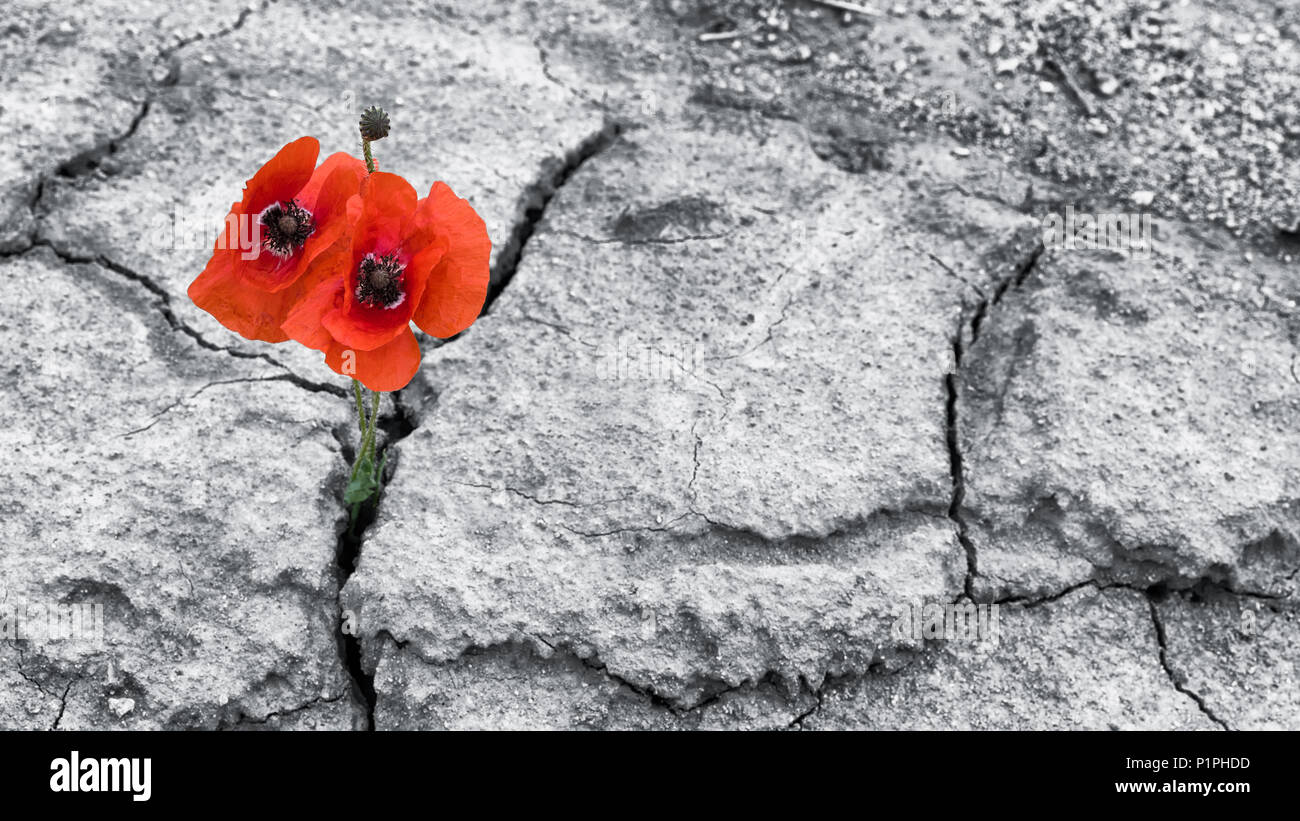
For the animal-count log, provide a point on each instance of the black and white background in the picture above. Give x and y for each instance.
(781, 360)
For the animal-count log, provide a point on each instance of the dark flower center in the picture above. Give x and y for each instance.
(379, 281)
(287, 226)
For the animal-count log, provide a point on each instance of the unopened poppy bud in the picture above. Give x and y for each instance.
(374, 124)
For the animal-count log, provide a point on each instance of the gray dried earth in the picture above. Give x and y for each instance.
(774, 352)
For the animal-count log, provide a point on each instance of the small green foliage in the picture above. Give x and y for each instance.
(364, 483)
(366, 480)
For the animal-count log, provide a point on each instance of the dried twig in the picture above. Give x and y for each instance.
(714, 36)
(1068, 81)
(1084, 101)
(849, 7)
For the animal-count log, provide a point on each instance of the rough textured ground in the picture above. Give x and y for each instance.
(774, 351)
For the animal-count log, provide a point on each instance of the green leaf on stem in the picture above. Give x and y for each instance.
(363, 485)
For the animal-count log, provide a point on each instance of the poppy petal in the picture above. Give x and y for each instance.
(457, 287)
(325, 196)
(252, 314)
(387, 201)
(282, 177)
(386, 205)
(337, 180)
(303, 323)
(389, 367)
(358, 329)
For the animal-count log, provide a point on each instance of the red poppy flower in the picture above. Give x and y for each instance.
(292, 215)
(424, 260)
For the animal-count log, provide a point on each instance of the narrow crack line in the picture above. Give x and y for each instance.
(1007, 284)
(534, 499)
(1174, 678)
(279, 377)
(544, 60)
(301, 382)
(1165, 584)
(62, 697)
(1032, 601)
(646, 692)
(952, 272)
(1224, 587)
(695, 460)
(558, 328)
(767, 337)
(873, 671)
(244, 14)
(798, 720)
(287, 711)
(255, 98)
(86, 161)
(22, 672)
(1028, 602)
(642, 240)
(1169, 577)
(1020, 207)
(34, 208)
(665, 528)
(782, 315)
(957, 471)
(534, 201)
(952, 388)
(164, 307)
(842, 529)
(63, 702)
(185, 574)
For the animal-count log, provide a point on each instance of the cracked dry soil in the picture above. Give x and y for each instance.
(895, 394)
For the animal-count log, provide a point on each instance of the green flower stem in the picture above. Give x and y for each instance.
(365, 151)
(367, 427)
(374, 423)
(361, 408)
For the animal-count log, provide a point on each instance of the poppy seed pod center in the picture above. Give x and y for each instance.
(287, 226)
(379, 281)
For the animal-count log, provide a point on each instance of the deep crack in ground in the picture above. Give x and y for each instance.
(956, 461)
(404, 421)
(395, 427)
(534, 200)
